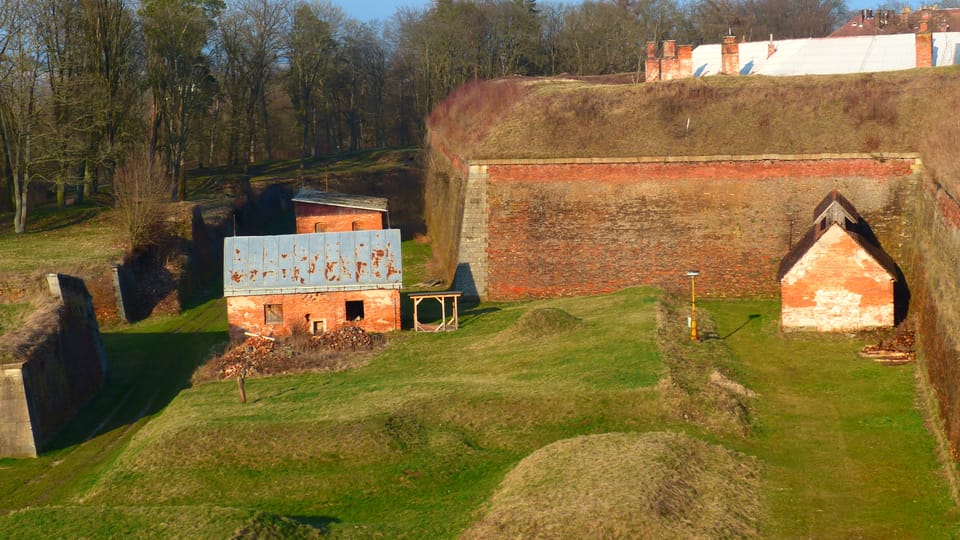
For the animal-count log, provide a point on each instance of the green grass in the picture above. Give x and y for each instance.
(12, 315)
(415, 443)
(61, 239)
(846, 451)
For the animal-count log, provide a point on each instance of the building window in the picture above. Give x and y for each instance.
(273, 313)
(320, 226)
(319, 327)
(356, 226)
(354, 310)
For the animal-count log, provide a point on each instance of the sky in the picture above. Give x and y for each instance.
(368, 10)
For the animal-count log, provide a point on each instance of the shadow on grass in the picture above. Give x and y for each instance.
(146, 371)
(321, 523)
(751, 317)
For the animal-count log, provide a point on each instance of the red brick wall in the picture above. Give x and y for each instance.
(730, 56)
(336, 218)
(924, 49)
(246, 313)
(836, 286)
(574, 229)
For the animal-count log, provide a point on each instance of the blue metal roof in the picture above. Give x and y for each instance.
(318, 262)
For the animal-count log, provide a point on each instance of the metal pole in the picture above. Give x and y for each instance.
(693, 308)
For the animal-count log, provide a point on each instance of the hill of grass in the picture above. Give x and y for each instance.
(440, 433)
(565, 118)
(615, 485)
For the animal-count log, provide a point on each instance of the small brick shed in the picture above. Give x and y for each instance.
(836, 278)
(313, 282)
(328, 211)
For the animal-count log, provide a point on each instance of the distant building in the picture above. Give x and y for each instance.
(326, 211)
(923, 46)
(836, 278)
(316, 282)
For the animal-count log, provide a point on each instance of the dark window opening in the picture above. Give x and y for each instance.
(354, 310)
(356, 225)
(273, 313)
(320, 326)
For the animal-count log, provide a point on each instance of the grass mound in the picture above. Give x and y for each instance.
(613, 485)
(543, 322)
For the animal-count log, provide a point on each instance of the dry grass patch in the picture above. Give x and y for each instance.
(614, 485)
(706, 116)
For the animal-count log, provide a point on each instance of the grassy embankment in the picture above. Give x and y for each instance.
(416, 442)
(551, 118)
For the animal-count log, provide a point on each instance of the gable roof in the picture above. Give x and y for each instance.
(834, 207)
(813, 236)
(347, 200)
(316, 262)
(829, 56)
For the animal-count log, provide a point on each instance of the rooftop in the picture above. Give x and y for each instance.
(318, 262)
(331, 198)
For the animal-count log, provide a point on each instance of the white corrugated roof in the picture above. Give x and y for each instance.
(827, 56)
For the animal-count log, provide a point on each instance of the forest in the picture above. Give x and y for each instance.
(88, 84)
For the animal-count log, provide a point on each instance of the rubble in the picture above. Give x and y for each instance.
(258, 355)
(897, 349)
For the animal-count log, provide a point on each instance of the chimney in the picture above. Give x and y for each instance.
(771, 48)
(652, 65)
(730, 56)
(924, 46)
(670, 64)
(685, 58)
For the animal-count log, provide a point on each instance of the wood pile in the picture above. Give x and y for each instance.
(897, 349)
(265, 356)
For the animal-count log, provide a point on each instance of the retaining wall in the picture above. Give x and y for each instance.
(545, 228)
(50, 369)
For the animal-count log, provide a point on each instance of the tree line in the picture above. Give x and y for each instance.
(86, 84)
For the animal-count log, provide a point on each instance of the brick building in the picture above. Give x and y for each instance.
(313, 282)
(326, 211)
(836, 278)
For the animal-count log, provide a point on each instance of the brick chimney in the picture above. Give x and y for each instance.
(685, 58)
(652, 64)
(730, 56)
(669, 64)
(771, 48)
(924, 42)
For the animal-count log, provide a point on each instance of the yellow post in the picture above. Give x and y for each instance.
(693, 304)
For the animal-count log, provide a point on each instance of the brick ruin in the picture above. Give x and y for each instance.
(49, 370)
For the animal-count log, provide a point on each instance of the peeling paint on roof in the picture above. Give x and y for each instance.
(830, 56)
(319, 262)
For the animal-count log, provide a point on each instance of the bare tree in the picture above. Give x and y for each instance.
(20, 64)
(141, 189)
(176, 33)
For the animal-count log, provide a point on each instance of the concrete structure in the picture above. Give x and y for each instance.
(275, 285)
(326, 211)
(835, 278)
(811, 56)
(50, 370)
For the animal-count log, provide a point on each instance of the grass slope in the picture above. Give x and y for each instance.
(415, 444)
(564, 118)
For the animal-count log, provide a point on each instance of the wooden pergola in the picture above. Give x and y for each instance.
(445, 325)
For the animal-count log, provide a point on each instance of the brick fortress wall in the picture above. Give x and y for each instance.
(592, 226)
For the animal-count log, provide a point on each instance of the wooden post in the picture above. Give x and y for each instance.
(242, 374)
